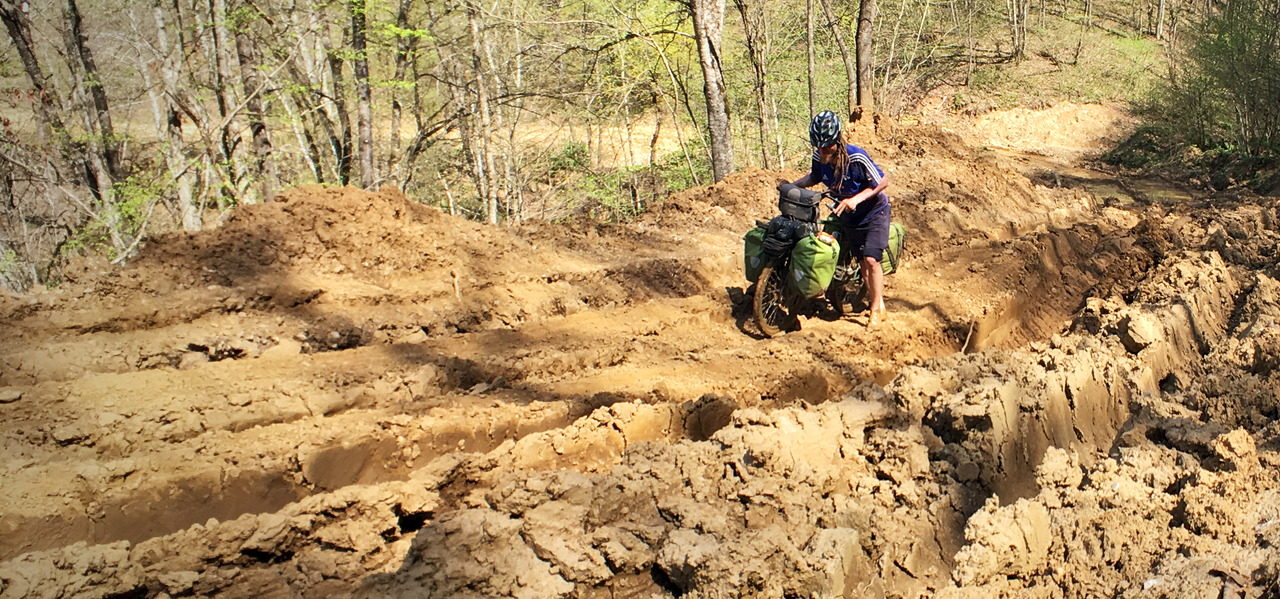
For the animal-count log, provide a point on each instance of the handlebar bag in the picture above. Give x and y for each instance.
(798, 203)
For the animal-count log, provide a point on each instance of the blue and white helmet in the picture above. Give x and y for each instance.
(824, 129)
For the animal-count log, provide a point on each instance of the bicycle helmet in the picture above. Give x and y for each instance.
(824, 129)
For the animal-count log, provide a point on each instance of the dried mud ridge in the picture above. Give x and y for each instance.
(349, 394)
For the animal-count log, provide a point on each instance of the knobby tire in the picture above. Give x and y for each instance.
(770, 304)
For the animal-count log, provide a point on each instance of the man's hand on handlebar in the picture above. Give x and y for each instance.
(845, 205)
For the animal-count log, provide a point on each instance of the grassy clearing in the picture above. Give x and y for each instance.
(1065, 63)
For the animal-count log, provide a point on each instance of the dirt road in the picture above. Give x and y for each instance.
(350, 394)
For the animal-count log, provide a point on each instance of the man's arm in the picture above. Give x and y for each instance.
(848, 204)
(806, 181)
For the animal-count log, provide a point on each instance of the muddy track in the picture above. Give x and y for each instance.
(346, 393)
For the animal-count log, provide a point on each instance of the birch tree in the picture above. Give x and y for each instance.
(708, 25)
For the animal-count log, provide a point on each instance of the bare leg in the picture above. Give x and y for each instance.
(873, 274)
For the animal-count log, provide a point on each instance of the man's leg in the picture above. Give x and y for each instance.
(873, 276)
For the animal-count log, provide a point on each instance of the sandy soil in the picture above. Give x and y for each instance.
(349, 394)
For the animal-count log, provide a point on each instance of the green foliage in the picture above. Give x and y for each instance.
(393, 84)
(1216, 119)
(1147, 146)
(390, 30)
(130, 203)
(239, 18)
(91, 236)
(1066, 63)
(606, 194)
(675, 173)
(572, 157)
(1237, 56)
(15, 273)
(8, 259)
(134, 197)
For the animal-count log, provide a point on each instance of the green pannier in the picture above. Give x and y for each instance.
(893, 253)
(813, 263)
(753, 253)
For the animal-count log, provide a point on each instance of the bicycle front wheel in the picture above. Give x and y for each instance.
(770, 304)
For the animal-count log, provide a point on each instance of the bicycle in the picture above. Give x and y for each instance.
(776, 299)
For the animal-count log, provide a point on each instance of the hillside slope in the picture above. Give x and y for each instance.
(347, 393)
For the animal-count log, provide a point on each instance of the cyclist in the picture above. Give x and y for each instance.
(854, 179)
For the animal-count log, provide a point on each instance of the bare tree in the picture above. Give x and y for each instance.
(14, 14)
(219, 52)
(167, 68)
(364, 110)
(99, 113)
(1017, 15)
(808, 45)
(866, 21)
(753, 24)
(708, 24)
(99, 137)
(406, 45)
(337, 94)
(483, 167)
(252, 84)
(851, 75)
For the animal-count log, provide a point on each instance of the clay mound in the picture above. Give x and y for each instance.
(316, 229)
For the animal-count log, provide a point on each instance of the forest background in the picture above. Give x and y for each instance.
(121, 119)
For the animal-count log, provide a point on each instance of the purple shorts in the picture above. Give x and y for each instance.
(865, 237)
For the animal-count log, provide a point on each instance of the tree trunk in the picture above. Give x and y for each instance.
(100, 114)
(753, 23)
(306, 138)
(504, 116)
(252, 85)
(812, 69)
(97, 171)
(708, 23)
(405, 47)
(169, 120)
(1160, 20)
(866, 53)
(229, 135)
(1018, 26)
(851, 74)
(342, 145)
(364, 110)
(308, 97)
(485, 173)
(45, 97)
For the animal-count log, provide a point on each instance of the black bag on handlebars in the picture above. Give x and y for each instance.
(798, 203)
